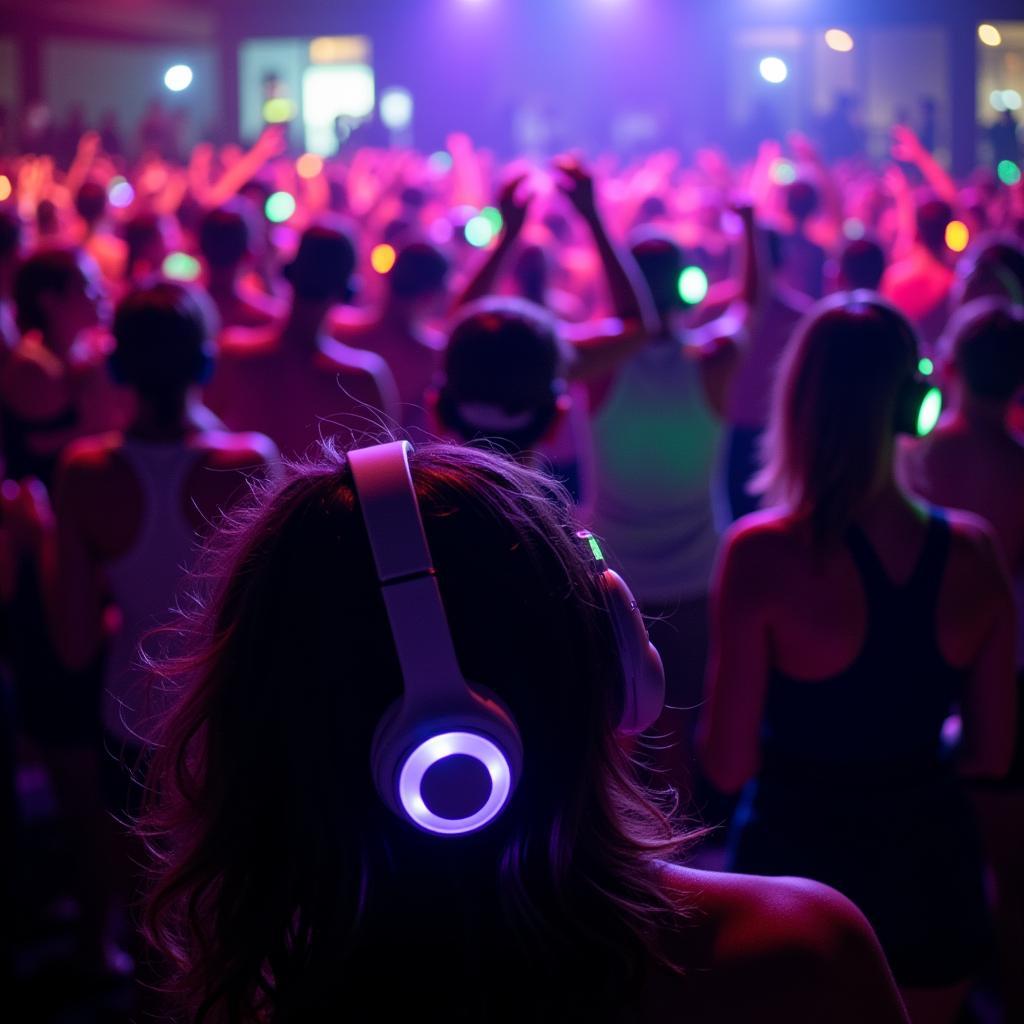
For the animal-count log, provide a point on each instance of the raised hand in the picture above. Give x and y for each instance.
(578, 185)
(906, 146)
(514, 206)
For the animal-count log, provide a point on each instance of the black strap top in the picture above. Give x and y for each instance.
(888, 706)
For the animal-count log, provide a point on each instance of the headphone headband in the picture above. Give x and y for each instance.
(442, 729)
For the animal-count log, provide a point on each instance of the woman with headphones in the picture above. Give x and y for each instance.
(848, 623)
(392, 780)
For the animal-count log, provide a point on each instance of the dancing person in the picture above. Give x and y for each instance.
(225, 241)
(400, 332)
(294, 382)
(973, 461)
(130, 509)
(848, 623)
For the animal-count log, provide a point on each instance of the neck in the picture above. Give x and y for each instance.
(170, 419)
(305, 321)
(884, 505)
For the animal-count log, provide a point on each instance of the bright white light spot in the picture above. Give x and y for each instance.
(1011, 99)
(995, 98)
(989, 35)
(774, 70)
(396, 108)
(178, 77)
(838, 40)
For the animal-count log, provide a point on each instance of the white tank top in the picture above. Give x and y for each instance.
(655, 447)
(145, 582)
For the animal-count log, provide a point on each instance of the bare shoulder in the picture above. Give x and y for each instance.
(804, 950)
(90, 457)
(242, 343)
(761, 538)
(777, 917)
(337, 357)
(243, 451)
(33, 382)
(973, 542)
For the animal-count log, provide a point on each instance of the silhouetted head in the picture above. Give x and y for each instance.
(661, 261)
(802, 200)
(224, 237)
(984, 344)
(91, 202)
(861, 265)
(322, 268)
(503, 374)
(420, 273)
(57, 292)
(163, 346)
(933, 217)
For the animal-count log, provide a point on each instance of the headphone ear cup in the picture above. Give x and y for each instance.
(912, 414)
(399, 734)
(643, 676)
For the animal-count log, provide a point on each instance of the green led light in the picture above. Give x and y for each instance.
(1009, 172)
(179, 266)
(479, 231)
(693, 285)
(279, 207)
(925, 366)
(595, 548)
(783, 172)
(931, 409)
(493, 217)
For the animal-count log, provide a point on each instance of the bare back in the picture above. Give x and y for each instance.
(298, 397)
(413, 359)
(770, 950)
(783, 603)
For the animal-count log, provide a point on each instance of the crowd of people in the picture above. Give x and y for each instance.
(729, 374)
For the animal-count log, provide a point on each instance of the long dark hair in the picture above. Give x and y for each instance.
(284, 889)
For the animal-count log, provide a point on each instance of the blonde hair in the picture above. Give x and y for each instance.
(829, 436)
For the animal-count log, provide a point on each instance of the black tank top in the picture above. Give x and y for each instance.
(889, 705)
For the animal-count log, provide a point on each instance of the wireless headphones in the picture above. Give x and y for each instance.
(447, 755)
(918, 406)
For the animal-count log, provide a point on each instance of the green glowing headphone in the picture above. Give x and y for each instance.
(919, 403)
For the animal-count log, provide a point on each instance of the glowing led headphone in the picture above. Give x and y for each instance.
(447, 755)
(643, 676)
(918, 405)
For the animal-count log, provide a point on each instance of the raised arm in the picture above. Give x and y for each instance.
(513, 208)
(906, 146)
(270, 144)
(630, 302)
